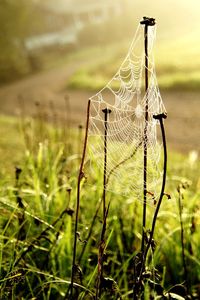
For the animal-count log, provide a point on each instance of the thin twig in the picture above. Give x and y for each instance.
(145, 138)
(162, 193)
(106, 112)
(80, 177)
(146, 22)
(102, 246)
(100, 202)
(123, 161)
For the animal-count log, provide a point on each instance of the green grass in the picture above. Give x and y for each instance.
(37, 220)
(177, 66)
(11, 144)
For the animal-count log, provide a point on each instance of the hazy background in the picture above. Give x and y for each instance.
(30, 28)
(50, 50)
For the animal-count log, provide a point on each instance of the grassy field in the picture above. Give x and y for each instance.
(38, 179)
(177, 65)
(47, 240)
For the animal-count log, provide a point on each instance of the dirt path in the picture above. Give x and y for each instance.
(49, 89)
(45, 87)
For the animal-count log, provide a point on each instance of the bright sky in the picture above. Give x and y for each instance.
(180, 14)
(174, 17)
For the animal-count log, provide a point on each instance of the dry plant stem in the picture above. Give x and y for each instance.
(80, 176)
(101, 255)
(160, 118)
(146, 22)
(100, 202)
(106, 111)
(145, 138)
(180, 197)
(123, 161)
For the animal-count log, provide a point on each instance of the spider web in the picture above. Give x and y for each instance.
(126, 97)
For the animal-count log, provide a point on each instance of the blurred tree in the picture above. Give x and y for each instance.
(15, 24)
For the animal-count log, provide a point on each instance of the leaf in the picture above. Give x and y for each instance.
(175, 296)
(178, 289)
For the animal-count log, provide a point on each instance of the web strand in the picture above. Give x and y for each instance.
(124, 95)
